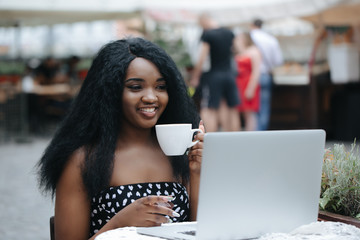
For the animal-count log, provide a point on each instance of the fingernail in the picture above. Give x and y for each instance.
(169, 198)
(169, 219)
(175, 214)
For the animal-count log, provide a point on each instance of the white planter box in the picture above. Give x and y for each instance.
(344, 63)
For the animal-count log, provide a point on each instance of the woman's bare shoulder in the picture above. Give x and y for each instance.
(77, 158)
(72, 206)
(73, 168)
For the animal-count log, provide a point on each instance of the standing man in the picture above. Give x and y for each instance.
(219, 96)
(271, 57)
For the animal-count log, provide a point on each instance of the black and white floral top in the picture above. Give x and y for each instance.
(108, 202)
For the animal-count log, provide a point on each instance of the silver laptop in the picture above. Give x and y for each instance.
(253, 183)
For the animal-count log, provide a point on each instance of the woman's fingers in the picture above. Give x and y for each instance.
(147, 211)
(196, 156)
(199, 145)
(195, 153)
(151, 200)
(157, 220)
(159, 205)
(158, 209)
(197, 149)
(202, 126)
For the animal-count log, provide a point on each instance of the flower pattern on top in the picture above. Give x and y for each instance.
(108, 202)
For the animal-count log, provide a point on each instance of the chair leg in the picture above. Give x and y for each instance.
(52, 233)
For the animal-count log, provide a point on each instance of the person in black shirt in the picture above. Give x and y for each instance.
(217, 87)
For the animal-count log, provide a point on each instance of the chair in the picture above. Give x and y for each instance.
(52, 233)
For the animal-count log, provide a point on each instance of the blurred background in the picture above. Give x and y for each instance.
(318, 86)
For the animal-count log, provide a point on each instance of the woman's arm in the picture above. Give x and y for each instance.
(255, 57)
(72, 206)
(204, 53)
(195, 158)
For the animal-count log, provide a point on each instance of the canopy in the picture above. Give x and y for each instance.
(228, 12)
(231, 13)
(41, 17)
(347, 14)
(238, 12)
(49, 12)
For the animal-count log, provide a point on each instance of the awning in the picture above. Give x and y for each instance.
(347, 14)
(227, 12)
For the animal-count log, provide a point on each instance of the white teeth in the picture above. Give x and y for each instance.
(147, 109)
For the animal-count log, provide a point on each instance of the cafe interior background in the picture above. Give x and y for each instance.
(318, 86)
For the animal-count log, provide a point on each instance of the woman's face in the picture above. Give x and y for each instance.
(241, 42)
(145, 94)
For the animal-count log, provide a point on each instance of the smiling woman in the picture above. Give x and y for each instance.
(104, 165)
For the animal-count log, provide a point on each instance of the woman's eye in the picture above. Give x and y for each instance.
(162, 87)
(134, 87)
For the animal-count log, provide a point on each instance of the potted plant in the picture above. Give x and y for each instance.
(340, 186)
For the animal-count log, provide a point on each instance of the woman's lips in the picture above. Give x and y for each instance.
(148, 111)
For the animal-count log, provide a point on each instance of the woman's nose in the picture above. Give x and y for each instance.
(149, 96)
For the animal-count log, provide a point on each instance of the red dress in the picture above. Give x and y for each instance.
(244, 72)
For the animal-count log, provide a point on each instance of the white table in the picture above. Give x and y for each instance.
(313, 231)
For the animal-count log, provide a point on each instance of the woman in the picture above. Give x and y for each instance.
(104, 165)
(248, 63)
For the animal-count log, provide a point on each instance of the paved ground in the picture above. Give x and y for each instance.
(24, 210)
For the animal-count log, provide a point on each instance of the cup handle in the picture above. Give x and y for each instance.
(193, 131)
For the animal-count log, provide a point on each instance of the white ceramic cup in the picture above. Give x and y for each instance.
(174, 139)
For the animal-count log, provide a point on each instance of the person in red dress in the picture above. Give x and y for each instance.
(248, 62)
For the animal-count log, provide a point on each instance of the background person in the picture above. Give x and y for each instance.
(70, 69)
(48, 72)
(271, 57)
(217, 87)
(49, 95)
(104, 164)
(248, 61)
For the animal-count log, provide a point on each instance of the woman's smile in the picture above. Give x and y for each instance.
(148, 111)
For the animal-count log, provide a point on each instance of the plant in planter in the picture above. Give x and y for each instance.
(340, 187)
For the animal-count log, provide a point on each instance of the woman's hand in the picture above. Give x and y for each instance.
(249, 93)
(147, 212)
(195, 153)
(195, 159)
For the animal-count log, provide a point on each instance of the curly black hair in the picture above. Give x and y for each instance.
(93, 122)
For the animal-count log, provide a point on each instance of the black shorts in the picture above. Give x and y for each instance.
(218, 85)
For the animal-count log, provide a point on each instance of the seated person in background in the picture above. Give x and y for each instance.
(52, 89)
(248, 62)
(104, 165)
(71, 64)
(70, 69)
(48, 72)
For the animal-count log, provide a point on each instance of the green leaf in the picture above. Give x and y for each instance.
(324, 202)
